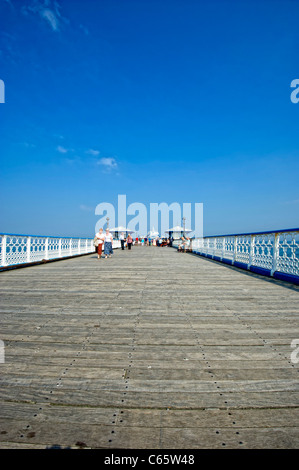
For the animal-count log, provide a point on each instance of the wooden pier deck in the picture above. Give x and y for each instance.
(149, 349)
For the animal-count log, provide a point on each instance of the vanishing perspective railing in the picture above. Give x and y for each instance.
(24, 249)
(274, 253)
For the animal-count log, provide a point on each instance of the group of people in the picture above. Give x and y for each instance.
(163, 241)
(184, 245)
(125, 241)
(103, 243)
(103, 240)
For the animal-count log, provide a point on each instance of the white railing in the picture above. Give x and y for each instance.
(24, 249)
(270, 253)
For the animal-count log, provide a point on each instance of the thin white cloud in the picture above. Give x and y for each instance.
(61, 149)
(108, 163)
(9, 47)
(52, 19)
(85, 208)
(9, 2)
(48, 10)
(93, 152)
(72, 161)
(294, 201)
(29, 145)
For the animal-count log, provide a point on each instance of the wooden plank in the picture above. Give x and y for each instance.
(149, 358)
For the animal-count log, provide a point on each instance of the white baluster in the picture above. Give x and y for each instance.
(251, 254)
(3, 251)
(275, 253)
(235, 250)
(47, 248)
(223, 247)
(28, 248)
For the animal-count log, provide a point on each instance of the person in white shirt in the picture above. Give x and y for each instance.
(100, 241)
(122, 240)
(108, 239)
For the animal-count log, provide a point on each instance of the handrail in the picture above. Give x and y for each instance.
(27, 249)
(273, 253)
(41, 236)
(254, 233)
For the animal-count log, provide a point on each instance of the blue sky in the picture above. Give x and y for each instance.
(164, 101)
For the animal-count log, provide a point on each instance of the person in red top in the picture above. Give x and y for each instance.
(100, 238)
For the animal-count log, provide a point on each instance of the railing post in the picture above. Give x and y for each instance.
(251, 254)
(79, 246)
(223, 248)
(28, 248)
(3, 251)
(235, 250)
(59, 248)
(71, 246)
(47, 248)
(275, 253)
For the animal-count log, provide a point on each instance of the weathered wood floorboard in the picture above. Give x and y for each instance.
(149, 349)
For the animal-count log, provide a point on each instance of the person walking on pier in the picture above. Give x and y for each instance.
(108, 239)
(99, 240)
(122, 240)
(129, 241)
